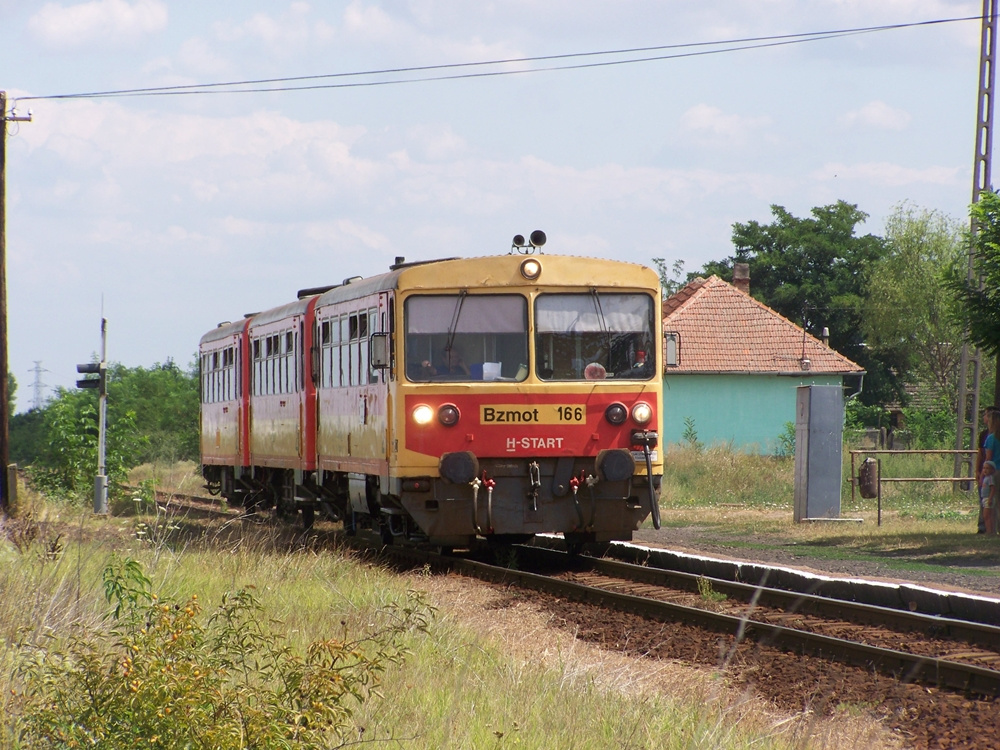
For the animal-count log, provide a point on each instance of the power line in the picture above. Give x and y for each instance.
(265, 85)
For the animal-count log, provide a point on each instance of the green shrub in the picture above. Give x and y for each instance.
(166, 674)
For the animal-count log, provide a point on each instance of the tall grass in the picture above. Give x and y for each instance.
(455, 687)
(704, 477)
(694, 476)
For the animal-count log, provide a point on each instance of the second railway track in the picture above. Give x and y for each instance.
(949, 654)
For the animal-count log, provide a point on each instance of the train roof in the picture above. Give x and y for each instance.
(495, 271)
(224, 331)
(359, 287)
(490, 271)
(280, 313)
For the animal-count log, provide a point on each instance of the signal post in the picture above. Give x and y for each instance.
(101, 383)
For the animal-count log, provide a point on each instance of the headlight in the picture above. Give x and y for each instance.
(531, 269)
(423, 414)
(448, 415)
(616, 413)
(642, 412)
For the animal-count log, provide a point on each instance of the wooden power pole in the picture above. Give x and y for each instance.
(5, 487)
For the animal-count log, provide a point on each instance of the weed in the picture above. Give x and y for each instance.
(709, 594)
(690, 434)
(165, 674)
(786, 441)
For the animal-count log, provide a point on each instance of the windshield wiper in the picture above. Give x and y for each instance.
(603, 323)
(454, 318)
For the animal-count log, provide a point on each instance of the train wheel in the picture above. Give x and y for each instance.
(504, 553)
(251, 503)
(385, 532)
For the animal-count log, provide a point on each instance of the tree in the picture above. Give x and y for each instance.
(68, 460)
(165, 402)
(11, 390)
(671, 279)
(977, 308)
(908, 315)
(815, 272)
(152, 416)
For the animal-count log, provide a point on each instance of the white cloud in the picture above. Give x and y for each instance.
(198, 57)
(99, 23)
(879, 115)
(283, 34)
(886, 174)
(711, 123)
(371, 22)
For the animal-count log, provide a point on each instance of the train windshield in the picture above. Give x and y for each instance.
(466, 337)
(594, 335)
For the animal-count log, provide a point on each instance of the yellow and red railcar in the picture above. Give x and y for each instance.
(495, 397)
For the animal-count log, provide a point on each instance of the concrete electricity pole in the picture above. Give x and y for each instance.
(970, 366)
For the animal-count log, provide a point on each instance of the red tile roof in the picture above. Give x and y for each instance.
(724, 330)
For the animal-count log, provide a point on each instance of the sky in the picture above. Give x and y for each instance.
(170, 214)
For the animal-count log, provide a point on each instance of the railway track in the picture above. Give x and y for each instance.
(178, 503)
(948, 654)
(932, 679)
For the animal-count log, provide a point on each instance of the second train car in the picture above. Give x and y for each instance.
(444, 401)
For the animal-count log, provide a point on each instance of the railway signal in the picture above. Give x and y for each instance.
(100, 382)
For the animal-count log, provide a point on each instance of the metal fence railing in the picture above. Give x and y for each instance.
(855, 479)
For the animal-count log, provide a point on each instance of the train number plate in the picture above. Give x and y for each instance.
(640, 457)
(504, 414)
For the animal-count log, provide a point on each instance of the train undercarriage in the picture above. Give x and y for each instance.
(499, 500)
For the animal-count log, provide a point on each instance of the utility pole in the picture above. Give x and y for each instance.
(970, 366)
(5, 474)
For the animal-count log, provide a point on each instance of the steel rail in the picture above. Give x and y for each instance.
(978, 634)
(906, 667)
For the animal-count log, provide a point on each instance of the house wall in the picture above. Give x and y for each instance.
(750, 411)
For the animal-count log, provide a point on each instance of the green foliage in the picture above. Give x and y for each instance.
(27, 436)
(930, 429)
(786, 441)
(68, 460)
(690, 434)
(709, 594)
(671, 279)
(165, 401)
(11, 390)
(717, 474)
(908, 314)
(152, 416)
(167, 674)
(815, 272)
(978, 309)
(857, 415)
(977, 300)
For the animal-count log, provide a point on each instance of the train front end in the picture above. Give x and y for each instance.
(529, 399)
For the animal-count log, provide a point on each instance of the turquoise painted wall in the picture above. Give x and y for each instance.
(748, 410)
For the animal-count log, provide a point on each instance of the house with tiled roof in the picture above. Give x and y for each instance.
(732, 366)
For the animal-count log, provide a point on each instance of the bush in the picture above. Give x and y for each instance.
(166, 675)
(930, 429)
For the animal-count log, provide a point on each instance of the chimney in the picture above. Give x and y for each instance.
(741, 277)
